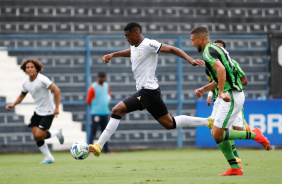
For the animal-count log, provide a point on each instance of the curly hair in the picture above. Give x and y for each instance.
(38, 65)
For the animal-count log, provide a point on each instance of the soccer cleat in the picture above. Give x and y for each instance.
(96, 149)
(238, 160)
(48, 161)
(210, 122)
(261, 139)
(247, 126)
(232, 172)
(61, 137)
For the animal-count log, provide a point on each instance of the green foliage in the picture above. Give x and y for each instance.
(156, 166)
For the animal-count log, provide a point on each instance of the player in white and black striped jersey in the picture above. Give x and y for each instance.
(40, 87)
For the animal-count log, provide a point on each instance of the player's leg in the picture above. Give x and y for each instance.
(226, 114)
(39, 136)
(128, 105)
(103, 123)
(159, 111)
(45, 125)
(189, 121)
(239, 126)
(233, 110)
(94, 126)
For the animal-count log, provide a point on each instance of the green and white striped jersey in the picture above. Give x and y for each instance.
(212, 53)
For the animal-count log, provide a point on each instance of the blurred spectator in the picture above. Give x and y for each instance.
(98, 97)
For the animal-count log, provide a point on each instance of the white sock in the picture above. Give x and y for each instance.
(45, 150)
(189, 121)
(54, 132)
(108, 132)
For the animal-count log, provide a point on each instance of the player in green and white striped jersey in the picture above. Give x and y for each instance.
(240, 122)
(230, 100)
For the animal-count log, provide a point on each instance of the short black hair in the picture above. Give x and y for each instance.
(222, 42)
(201, 30)
(131, 25)
(101, 74)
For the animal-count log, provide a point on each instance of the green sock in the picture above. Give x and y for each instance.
(234, 148)
(229, 134)
(225, 147)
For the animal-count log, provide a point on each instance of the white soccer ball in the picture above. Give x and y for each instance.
(79, 150)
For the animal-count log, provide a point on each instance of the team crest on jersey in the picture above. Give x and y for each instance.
(139, 53)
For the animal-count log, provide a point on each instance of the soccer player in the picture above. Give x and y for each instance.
(240, 123)
(40, 87)
(230, 97)
(98, 97)
(143, 54)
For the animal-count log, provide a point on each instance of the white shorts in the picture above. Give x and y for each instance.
(239, 121)
(224, 113)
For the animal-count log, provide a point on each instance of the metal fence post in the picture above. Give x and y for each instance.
(87, 83)
(179, 91)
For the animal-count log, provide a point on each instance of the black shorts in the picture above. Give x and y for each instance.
(147, 99)
(43, 122)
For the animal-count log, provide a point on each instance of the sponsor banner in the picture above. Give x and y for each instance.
(264, 114)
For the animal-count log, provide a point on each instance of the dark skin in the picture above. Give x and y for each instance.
(134, 38)
(101, 80)
(32, 72)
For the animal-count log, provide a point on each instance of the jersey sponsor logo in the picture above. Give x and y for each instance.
(154, 46)
(139, 97)
(40, 126)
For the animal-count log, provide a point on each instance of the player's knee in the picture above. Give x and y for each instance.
(38, 137)
(216, 137)
(167, 125)
(116, 110)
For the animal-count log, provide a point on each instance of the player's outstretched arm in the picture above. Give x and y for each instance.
(123, 53)
(180, 53)
(209, 87)
(57, 93)
(18, 100)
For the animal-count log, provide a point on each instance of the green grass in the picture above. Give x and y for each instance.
(157, 166)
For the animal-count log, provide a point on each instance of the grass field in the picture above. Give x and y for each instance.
(156, 166)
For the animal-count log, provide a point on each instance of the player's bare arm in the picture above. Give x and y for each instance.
(180, 53)
(221, 74)
(209, 87)
(18, 100)
(123, 53)
(56, 90)
(244, 80)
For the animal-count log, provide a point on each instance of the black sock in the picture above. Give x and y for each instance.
(48, 135)
(115, 116)
(174, 123)
(40, 143)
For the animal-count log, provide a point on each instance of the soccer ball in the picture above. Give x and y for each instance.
(79, 150)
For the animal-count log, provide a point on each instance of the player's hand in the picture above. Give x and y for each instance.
(209, 100)
(9, 107)
(225, 97)
(199, 92)
(107, 58)
(198, 62)
(56, 112)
